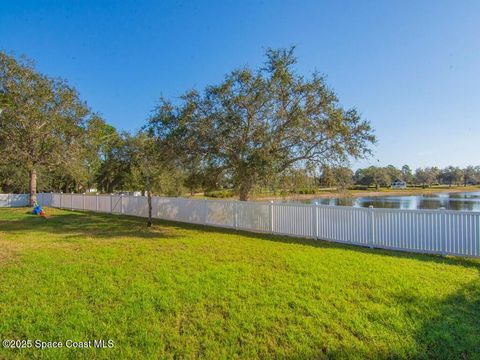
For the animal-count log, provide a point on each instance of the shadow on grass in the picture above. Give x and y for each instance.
(325, 244)
(449, 329)
(96, 225)
(454, 332)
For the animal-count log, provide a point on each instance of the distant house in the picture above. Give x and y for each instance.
(399, 184)
(130, 193)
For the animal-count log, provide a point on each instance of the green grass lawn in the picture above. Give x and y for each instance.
(184, 291)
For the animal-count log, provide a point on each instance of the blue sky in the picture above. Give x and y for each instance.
(410, 67)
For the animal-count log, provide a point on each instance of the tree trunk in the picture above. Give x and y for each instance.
(244, 191)
(33, 186)
(149, 199)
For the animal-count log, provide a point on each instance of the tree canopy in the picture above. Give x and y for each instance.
(258, 123)
(43, 121)
(264, 129)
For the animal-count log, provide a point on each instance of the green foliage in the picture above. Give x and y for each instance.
(153, 166)
(360, 187)
(13, 178)
(256, 124)
(339, 176)
(406, 174)
(306, 191)
(186, 291)
(426, 176)
(373, 175)
(265, 130)
(471, 175)
(43, 122)
(451, 175)
(220, 194)
(114, 170)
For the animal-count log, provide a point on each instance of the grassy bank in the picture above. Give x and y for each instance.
(333, 193)
(183, 291)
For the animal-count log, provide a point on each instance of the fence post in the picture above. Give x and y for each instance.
(443, 231)
(121, 203)
(111, 203)
(178, 214)
(96, 202)
(8, 200)
(61, 197)
(83, 201)
(270, 211)
(315, 220)
(372, 221)
(205, 211)
(71, 201)
(235, 214)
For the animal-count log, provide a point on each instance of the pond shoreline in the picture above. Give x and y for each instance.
(366, 193)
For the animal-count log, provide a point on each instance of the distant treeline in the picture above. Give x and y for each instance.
(384, 176)
(342, 178)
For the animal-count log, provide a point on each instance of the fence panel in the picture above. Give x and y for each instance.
(131, 205)
(408, 230)
(90, 202)
(77, 201)
(66, 201)
(19, 200)
(344, 224)
(221, 213)
(253, 216)
(294, 219)
(192, 211)
(165, 208)
(136, 206)
(441, 232)
(55, 200)
(117, 204)
(4, 200)
(45, 199)
(462, 233)
(104, 203)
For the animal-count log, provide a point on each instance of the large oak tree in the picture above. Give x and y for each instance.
(43, 121)
(259, 123)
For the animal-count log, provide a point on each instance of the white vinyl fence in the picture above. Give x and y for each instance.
(13, 200)
(428, 231)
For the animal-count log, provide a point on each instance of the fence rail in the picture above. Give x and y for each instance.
(426, 231)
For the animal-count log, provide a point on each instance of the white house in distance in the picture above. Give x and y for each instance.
(399, 184)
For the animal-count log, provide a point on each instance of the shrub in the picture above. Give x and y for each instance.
(219, 194)
(360, 187)
(306, 191)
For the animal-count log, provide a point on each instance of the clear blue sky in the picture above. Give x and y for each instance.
(411, 67)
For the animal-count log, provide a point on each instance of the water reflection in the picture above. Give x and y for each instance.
(469, 201)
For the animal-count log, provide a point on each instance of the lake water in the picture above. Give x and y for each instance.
(468, 201)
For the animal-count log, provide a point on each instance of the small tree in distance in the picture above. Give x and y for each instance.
(152, 166)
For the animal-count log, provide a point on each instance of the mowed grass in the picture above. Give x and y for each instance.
(184, 291)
